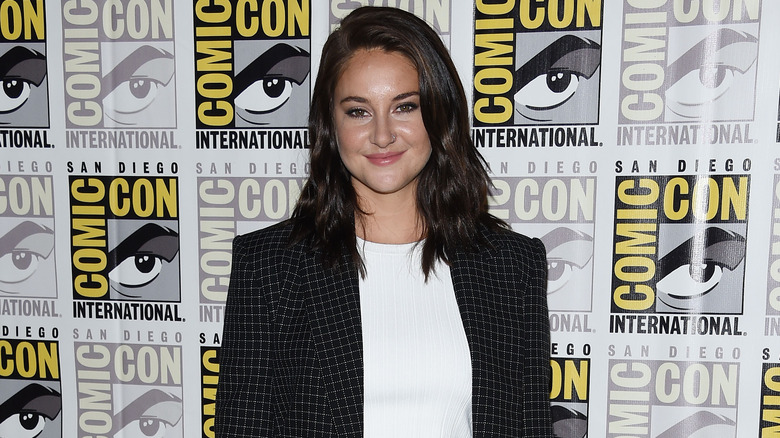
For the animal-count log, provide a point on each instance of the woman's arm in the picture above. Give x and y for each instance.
(244, 393)
(537, 421)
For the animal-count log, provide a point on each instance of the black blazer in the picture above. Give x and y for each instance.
(291, 360)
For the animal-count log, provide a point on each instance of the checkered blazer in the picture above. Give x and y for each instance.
(291, 361)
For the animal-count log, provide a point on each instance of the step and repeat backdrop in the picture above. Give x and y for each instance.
(637, 138)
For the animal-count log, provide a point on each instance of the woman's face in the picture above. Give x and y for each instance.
(381, 136)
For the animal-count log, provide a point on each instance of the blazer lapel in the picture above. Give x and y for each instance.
(333, 307)
(466, 267)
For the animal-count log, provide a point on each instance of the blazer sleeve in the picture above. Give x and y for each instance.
(244, 391)
(536, 353)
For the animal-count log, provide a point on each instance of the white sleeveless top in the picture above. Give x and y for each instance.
(416, 359)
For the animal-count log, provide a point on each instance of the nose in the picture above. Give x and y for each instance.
(383, 132)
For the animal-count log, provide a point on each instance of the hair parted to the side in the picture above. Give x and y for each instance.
(452, 188)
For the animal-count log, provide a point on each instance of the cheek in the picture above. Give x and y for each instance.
(348, 139)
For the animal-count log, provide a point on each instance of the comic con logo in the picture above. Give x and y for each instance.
(30, 391)
(24, 97)
(118, 63)
(670, 399)
(537, 63)
(27, 236)
(679, 244)
(689, 61)
(125, 238)
(773, 280)
(569, 396)
(235, 205)
(769, 421)
(129, 390)
(560, 212)
(209, 372)
(252, 63)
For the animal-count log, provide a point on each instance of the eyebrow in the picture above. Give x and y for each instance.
(562, 235)
(711, 244)
(281, 60)
(167, 408)
(149, 239)
(706, 51)
(127, 68)
(696, 422)
(19, 233)
(32, 398)
(23, 63)
(397, 98)
(584, 63)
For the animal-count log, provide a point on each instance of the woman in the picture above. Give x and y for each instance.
(391, 303)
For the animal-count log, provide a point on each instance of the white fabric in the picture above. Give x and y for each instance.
(417, 364)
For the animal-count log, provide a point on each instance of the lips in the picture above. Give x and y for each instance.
(384, 159)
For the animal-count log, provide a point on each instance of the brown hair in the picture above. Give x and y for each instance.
(453, 186)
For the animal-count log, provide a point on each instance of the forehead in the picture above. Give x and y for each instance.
(376, 66)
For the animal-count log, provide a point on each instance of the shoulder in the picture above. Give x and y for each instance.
(514, 243)
(267, 242)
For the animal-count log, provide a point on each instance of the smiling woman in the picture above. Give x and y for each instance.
(391, 303)
(382, 141)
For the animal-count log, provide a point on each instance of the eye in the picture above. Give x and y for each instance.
(135, 82)
(407, 107)
(21, 68)
(559, 272)
(18, 265)
(150, 415)
(137, 270)
(145, 427)
(133, 95)
(22, 250)
(695, 267)
(568, 252)
(138, 259)
(691, 280)
(265, 95)
(357, 113)
(701, 86)
(551, 77)
(14, 94)
(268, 82)
(23, 425)
(708, 70)
(148, 427)
(548, 91)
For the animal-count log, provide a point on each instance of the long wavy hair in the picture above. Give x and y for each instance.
(452, 188)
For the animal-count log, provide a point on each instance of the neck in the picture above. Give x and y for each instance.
(393, 220)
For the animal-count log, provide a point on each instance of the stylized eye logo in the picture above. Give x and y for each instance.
(548, 91)
(134, 95)
(15, 94)
(551, 78)
(707, 71)
(568, 251)
(139, 258)
(695, 267)
(21, 251)
(268, 82)
(701, 424)
(265, 95)
(568, 423)
(137, 270)
(135, 82)
(26, 413)
(20, 70)
(150, 415)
